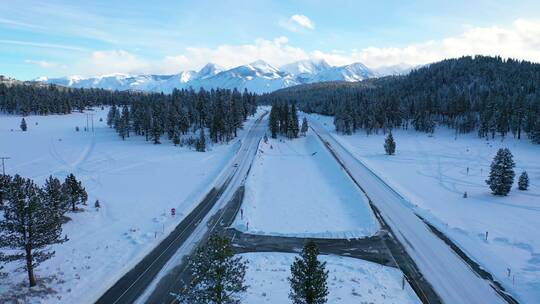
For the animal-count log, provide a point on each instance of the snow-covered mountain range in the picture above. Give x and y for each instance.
(258, 76)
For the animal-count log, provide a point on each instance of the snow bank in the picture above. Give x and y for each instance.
(296, 188)
(349, 280)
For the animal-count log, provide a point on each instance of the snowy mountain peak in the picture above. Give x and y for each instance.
(209, 70)
(258, 76)
(308, 66)
(263, 66)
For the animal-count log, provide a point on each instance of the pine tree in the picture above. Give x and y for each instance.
(97, 205)
(217, 275)
(123, 124)
(201, 142)
(389, 144)
(74, 192)
(111, 115)
(5, 181)
(501, 176)
(55, 197)
(523, 183)
(155, 130)
(308, 277)
(273, 121)
(29, 226)
(176, 137)
(23, 125)
(293, 122)
(305, 127)
(534, 134)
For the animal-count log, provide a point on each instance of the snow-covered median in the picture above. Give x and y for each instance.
(349, 280)
(434, 172)
(136, 182)
(296, 188)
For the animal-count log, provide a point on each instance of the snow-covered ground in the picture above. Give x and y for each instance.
(296, 188)
(136, 182)
(431, 173)
(349, 280)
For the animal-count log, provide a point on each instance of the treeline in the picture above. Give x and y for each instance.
(30, 98)
(283, 120)
(32, 217)
(222, 112)
(26, 99)
(487, 95)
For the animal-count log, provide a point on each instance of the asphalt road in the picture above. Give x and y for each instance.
(133, 284)
(452, 278)
(371, 248)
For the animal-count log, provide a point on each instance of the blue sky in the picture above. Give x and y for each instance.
(57, 38)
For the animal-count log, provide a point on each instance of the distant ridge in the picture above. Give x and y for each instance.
(258, 77)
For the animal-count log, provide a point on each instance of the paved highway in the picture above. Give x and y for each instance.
(189, 231)
(451, 277)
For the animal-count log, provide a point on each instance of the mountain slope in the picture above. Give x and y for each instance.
(258, 77)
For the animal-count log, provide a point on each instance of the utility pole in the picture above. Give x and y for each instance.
(3, 158)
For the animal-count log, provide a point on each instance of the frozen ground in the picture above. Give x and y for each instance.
(136, 182)
(295, 188)
(431, 172)
(349, 280)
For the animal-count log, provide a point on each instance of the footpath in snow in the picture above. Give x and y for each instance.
(349, 280)
(296, 188)
(433, 173)
(136, 182)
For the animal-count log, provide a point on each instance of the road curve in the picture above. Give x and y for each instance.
(452, 279)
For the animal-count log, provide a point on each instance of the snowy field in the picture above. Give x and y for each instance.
(296, 188)
(431, 172)
(349, 280)
(136, 182)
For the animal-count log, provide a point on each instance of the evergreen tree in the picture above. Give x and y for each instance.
(123, 124)
(305, 127)
(156, 131)
(201, 142)
(5, 181)
(293, 122)
(55, 198)
(308, 277)
(217, 275)
(97, 205)
(23, 125)
(523, 183)
(273, 121)
(111, 115)
(501, 176)
(28, 226)
(176, 137)
(534, 133)
(389, 144)
(74, 192)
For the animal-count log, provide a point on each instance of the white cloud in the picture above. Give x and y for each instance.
(46, 64)
(42, 45)
(114, 61)
(303, 21)
(297, 22)
(276, 52)
(520, 40)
